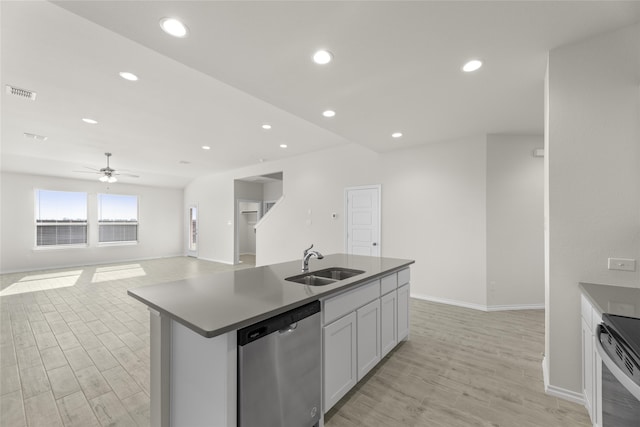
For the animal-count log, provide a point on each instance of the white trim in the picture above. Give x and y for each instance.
(118, 243)
(480, 307)
(115, 261)
(216, 260)
(515, 307)
(545, 372)
(450, 302)
(562, 393)
(346, 214)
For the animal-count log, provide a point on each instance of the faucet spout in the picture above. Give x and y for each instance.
(307, 255)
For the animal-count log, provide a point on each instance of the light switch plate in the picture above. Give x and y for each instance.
(623, 264)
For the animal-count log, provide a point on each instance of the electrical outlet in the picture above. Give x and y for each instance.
(623, 264)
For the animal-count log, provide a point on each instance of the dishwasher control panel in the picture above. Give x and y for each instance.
(277, 323)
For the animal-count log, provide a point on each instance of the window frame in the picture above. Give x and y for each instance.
(100, 222)
(39, 223)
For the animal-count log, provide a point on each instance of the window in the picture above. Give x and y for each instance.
(117, 218)
(61, 218)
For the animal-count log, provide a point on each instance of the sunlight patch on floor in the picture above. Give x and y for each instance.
(43, 282)
(117, 272)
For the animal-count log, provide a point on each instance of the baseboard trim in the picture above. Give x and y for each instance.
(450, 302)
(479, 306)
(562, 393)
(115, 261)
(215, 260)
(515, 307)
(565, 394)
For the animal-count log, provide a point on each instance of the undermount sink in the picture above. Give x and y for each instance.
(325, 276)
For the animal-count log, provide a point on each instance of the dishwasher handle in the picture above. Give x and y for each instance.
(289, 328)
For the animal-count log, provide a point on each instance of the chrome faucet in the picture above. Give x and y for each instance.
(308, 253)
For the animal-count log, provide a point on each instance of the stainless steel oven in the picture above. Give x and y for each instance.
(618, 344)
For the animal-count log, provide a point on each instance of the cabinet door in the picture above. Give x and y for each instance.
(389, 322)
(368, 337)
(587, 367)
(403, 312)
(340, 373)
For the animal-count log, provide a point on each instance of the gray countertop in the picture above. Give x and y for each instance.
(610, 299)
(215, 304)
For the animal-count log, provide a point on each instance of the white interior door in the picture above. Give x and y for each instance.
(363, 220)
(192, 244)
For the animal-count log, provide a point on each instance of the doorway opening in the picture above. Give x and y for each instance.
(254, 197)
(192, 244)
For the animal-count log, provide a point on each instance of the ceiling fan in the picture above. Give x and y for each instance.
(107, 174)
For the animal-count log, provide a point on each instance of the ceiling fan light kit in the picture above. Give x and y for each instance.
(108, 174)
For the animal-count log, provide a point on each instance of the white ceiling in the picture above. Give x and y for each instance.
(396, 68)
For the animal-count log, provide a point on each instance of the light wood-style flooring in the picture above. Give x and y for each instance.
(460, 367)
(74, 351)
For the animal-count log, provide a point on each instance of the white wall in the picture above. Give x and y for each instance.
(214, 196)
(434, 207)
(434, 204)
(593, 145)
(272, 191)
(160, 220)
(515, 221)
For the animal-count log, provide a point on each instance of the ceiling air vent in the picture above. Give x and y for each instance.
(39, 138)
(22, 93)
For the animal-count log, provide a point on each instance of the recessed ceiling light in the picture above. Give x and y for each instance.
(329, 113)
(90, 121)
(283, 145)
(472, 65)
(322, 57)
(184, 162)
(396, 134)
(266, 127)
(128, 76)
(173, 27)
(206, 147)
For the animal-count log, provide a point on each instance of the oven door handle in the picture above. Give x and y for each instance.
(626, 382)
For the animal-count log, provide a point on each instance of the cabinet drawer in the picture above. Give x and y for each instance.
(388, 283)
(404, 276)
(349, 301)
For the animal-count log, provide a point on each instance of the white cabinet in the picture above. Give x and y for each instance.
(368, 337)
(403, 312)
(340, 369)
(591, 363)
(587, 367)
(360, 327)
(389, 322)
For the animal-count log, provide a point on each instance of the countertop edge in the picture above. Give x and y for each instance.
(588, 296)
(270, 313)
(584, 288)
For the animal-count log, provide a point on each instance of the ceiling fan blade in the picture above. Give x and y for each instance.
(98, 172)
(93, 169)
(129, 175)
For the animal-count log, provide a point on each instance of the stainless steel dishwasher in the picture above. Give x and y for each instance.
(279, 370)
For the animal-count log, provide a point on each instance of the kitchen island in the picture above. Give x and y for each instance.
(194, 324)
